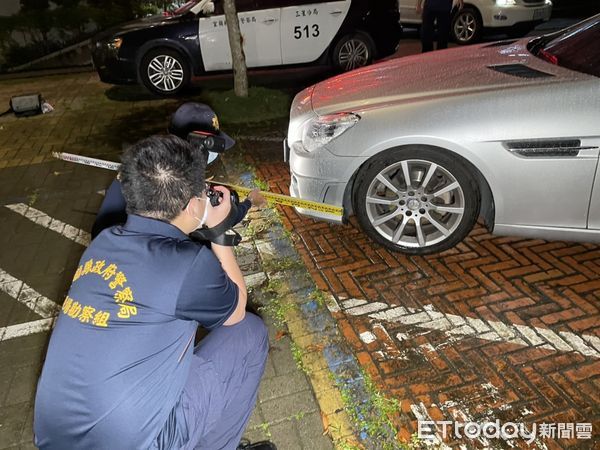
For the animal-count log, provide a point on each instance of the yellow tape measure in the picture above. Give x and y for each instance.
(242, 191)
(281, 199)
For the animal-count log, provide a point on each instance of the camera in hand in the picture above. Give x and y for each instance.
(215, 197)
(223, 233)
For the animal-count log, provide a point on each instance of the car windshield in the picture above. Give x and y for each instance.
(575, 48)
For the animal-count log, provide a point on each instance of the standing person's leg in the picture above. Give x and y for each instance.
(443, 28)
(229, 363)
(427, 30)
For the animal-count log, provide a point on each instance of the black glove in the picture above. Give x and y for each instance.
(221, 234)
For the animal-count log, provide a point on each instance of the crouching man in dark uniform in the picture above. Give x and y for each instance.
(121, 370)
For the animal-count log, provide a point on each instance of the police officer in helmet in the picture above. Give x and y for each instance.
(198, 124)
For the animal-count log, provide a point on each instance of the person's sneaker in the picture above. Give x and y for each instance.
(262, 445)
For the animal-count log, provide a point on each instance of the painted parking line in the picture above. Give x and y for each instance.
(64, 229)
(26, 295)
(25, 329)
(458, 327)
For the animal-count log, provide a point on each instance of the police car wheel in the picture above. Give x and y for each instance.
(353, 51)
(164, 71)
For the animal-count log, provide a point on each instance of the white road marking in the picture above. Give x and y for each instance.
(367, 337)
(462, 327)
(26, 295)
(44, 220)
(35, 301)
(25, 329)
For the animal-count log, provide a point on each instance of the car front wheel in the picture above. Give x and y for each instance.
(416, 200)
(466, 26)
(164, 71)
(353, 51)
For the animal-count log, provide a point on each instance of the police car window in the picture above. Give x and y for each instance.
(256, 5)
(266, 4)
(240, 5)
(218, 4)
(247, 5)
(201, 7)
(286, 3)
(184, 8)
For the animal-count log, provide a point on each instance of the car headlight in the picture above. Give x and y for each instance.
(115, 44)
(506, 2)
(322, 130)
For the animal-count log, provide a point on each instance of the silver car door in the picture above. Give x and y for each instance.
(594, 213)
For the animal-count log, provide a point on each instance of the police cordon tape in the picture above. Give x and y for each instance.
(279, 199)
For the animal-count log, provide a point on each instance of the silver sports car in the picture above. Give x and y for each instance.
(419, 147)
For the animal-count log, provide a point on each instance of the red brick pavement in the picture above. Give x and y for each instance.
(548, 287)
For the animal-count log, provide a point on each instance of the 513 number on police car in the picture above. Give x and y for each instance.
(307, 31)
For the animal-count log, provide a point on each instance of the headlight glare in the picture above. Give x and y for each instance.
(506, 2)
(322, 130)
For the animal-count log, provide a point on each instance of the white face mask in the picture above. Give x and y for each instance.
(211, 157)
(202, 221)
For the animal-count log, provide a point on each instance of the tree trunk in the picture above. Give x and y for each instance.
(240, 75)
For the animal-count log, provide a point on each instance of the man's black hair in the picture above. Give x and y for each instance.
(159, 176)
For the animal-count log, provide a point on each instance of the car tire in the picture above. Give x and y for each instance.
(353, 51)
(466, 26)
(165, 71)
(434, 211)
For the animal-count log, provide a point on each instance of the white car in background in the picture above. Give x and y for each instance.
(511, 16)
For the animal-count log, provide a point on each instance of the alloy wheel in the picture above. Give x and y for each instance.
(354, 53)
(465, 26)
(415, 203)
(165, 73)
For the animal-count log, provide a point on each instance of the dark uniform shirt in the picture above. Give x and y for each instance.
(120, 353)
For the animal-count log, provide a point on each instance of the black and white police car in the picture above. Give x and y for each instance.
(165, 52)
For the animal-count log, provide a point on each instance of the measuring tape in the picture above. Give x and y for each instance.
(242, 191)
